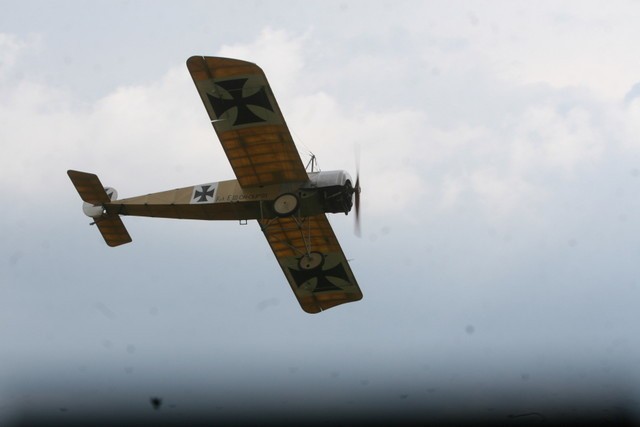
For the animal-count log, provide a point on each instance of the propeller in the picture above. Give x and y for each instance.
(356, 193)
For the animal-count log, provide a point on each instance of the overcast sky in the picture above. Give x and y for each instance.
(500, 164)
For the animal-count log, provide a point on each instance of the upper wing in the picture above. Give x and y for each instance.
(248, 122)
(312, 260)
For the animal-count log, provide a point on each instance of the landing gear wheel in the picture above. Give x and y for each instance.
(311, 261)
(285, 204)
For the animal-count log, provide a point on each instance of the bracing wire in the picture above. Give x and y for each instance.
(313, 160)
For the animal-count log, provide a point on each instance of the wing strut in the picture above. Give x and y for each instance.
(299, 227)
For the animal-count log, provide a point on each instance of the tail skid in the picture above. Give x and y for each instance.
(94, 194)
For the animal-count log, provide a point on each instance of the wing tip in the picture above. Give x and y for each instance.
(195, 59)
(320, 306)
(199, 63)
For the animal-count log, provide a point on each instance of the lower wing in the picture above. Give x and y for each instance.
(312, 261)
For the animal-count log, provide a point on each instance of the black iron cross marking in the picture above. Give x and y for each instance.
(241, 103)
(322, 276)
(204, 193)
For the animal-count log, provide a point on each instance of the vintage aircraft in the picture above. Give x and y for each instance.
(272, 186)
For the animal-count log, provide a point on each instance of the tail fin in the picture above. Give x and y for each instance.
(94, 194)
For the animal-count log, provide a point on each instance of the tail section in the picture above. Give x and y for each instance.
(95, 196)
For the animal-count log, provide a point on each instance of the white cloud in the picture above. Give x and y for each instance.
(10, 49)
(156, 135)
(562, 44)
(157, 132)
(37, 125)
(502, 196)
(278, 52)
(139, 139)
(547, 138)
(630, 124)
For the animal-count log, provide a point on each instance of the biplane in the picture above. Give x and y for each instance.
(272, 186)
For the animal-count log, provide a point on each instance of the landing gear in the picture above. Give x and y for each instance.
(285, 204)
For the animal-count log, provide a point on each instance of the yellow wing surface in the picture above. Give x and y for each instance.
(257, 142)
(248, 121)
(312, 261)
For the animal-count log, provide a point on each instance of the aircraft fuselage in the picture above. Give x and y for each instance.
(324, 192)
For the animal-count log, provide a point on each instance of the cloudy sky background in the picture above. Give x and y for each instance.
(500, 164)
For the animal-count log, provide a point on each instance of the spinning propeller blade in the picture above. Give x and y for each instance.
(356, 192)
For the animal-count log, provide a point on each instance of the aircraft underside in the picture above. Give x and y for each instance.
(272, 186)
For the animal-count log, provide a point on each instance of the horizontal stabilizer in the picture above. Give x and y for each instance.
(92, 192)
(113, 230)
(89, 187)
